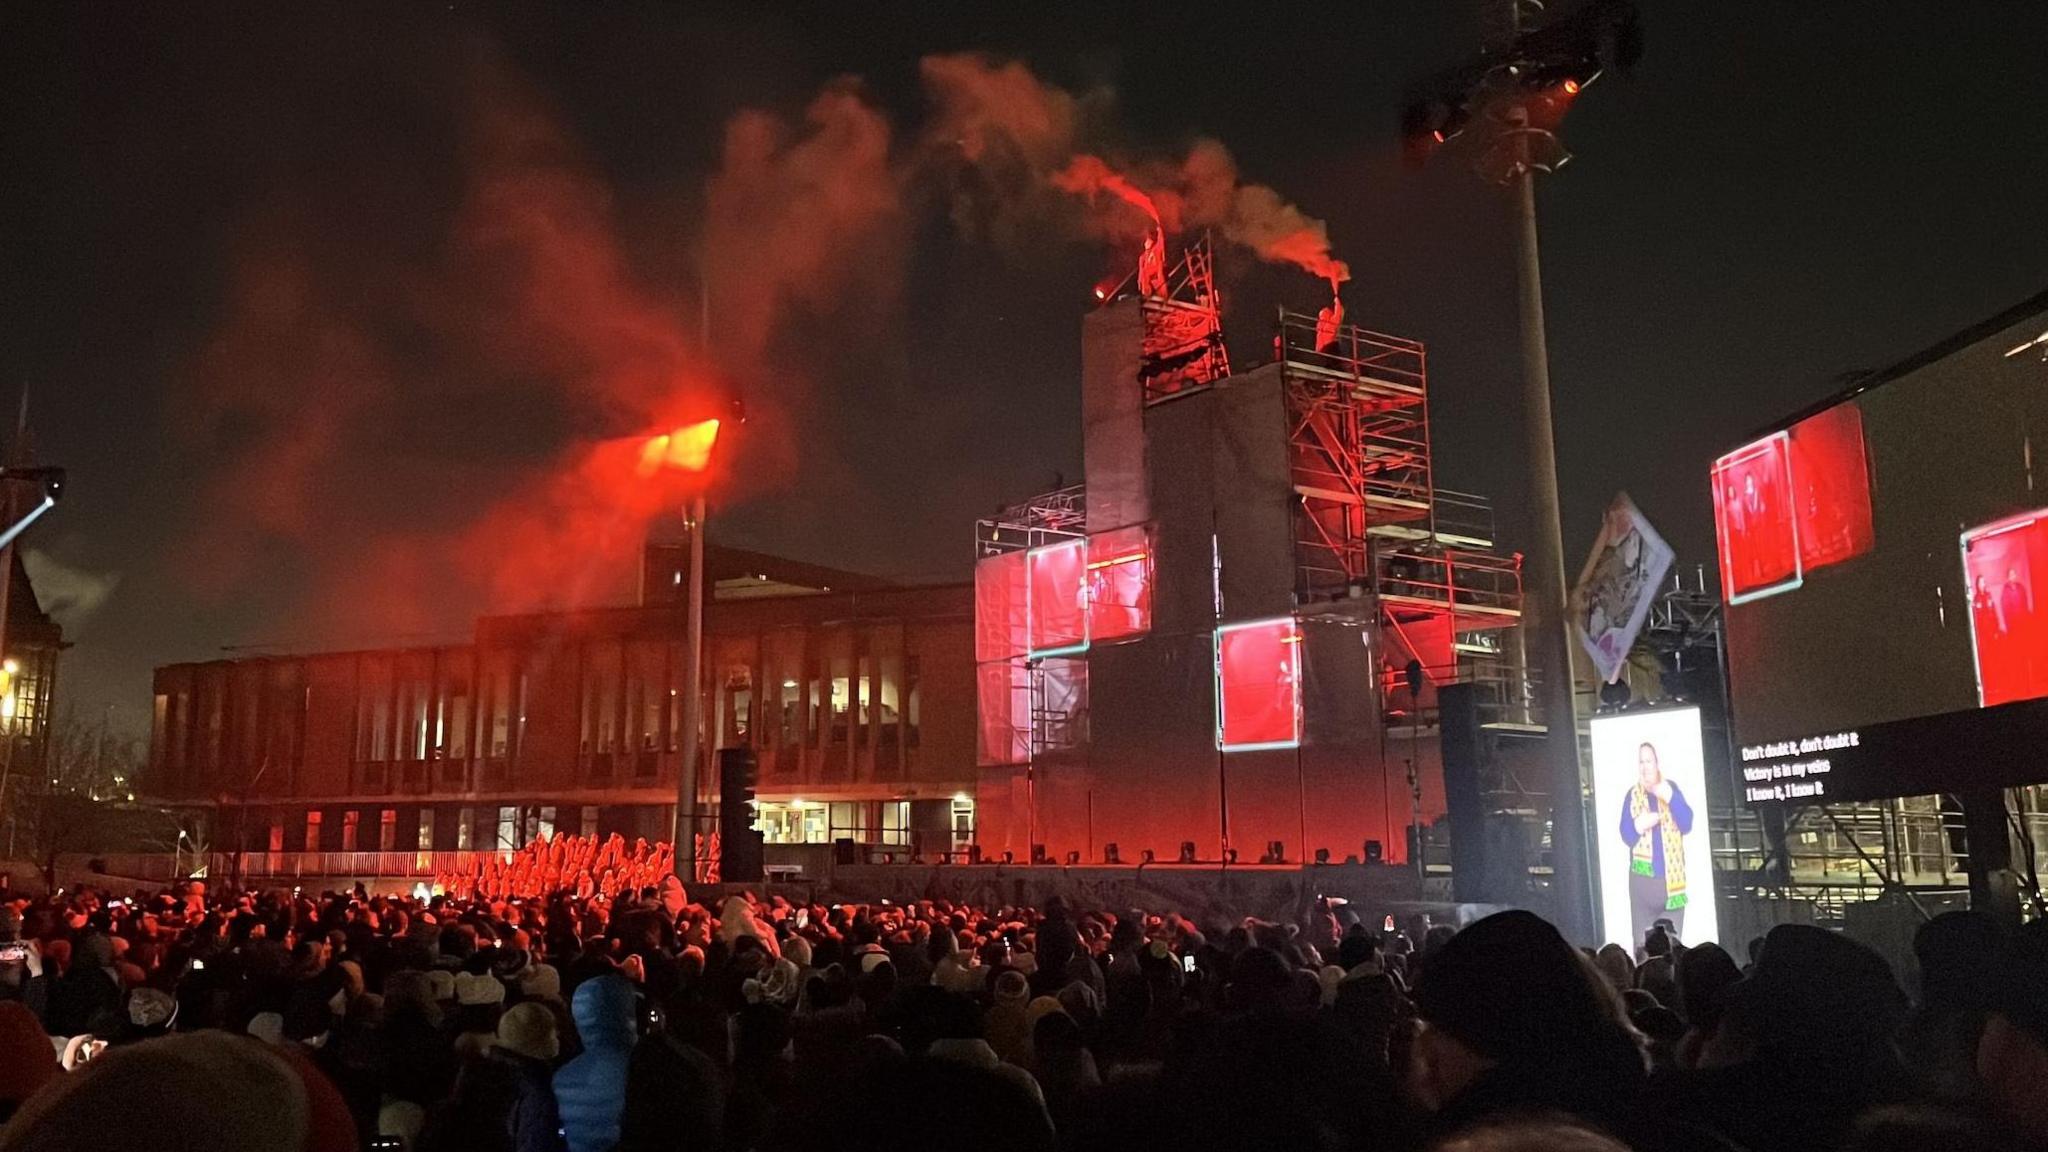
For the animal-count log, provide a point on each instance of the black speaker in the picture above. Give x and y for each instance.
(739, 770)
(1458, 712)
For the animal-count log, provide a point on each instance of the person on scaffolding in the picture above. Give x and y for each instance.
(1152, 264)
(1330, 321)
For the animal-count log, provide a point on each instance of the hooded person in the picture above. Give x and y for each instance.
(1004, 1025)
(1515, 1019)
(736, 919)
(591, 1089)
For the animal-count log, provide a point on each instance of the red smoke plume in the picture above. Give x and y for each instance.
(1088, 175)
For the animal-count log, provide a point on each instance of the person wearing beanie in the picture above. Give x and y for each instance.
(194, 1092)
(441, 982)
(152, 1012)
(1512, 1018)
(1003, 1025)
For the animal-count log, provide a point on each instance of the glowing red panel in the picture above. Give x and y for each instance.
(1258, 685)
(1831, 487)
(1003, 706)
(1057, 591)
(1119, 584)
(1754, 521)
(2004, 564)
(1000, 630)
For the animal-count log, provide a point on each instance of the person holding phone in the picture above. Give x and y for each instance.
(1655, 819)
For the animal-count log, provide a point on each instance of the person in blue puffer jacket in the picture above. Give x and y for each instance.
(591, 1089)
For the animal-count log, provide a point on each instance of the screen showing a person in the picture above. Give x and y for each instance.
(1652, 848)
(1881, 562)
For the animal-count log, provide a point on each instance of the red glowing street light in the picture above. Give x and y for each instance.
(687, 449)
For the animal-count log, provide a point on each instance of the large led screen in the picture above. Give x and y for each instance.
(1652, 849)
(1881, 562)
(1258, 685)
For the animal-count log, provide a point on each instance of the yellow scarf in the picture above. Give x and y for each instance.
(1639, 802)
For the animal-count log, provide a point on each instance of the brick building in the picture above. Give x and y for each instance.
(858, 696)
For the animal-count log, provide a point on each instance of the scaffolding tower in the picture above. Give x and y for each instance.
(1372, 531)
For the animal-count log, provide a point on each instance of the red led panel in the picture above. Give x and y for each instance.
(1258, 685)
(1831, 487)
(1754, 521)
(1000, 630)
(2004, 564)
(1119, 584)
(1003, 706)
(1057, 596)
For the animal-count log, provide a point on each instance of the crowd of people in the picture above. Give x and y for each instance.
(583, 1023)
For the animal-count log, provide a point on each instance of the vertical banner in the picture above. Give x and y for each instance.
(1618, 586)
(1652, 849)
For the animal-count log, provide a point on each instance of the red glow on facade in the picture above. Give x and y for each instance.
(1258, 685)
(2003, 564)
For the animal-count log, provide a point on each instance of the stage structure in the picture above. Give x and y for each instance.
(1227, 643)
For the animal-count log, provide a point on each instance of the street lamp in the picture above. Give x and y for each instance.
(1545, 66)
(688, 450)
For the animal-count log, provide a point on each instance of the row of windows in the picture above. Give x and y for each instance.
(502, 828)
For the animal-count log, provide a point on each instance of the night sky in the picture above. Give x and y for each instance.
(257, 274)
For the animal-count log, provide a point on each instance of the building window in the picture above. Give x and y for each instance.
(647, 695)
(544, 828)
(465, 830)
(910, 701)
(895, 822)
(587, 821)
(842, 699)
(414, 736)
(275, 841)
(963, 822)
(387, 830)
(313, 818)
(506, 690)
(349, 820)
(159, 722)
(426, 841)
(601, 697)
(507, 838)
(373, 711)
(453, 737)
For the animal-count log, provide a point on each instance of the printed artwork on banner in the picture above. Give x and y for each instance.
(1618, 586)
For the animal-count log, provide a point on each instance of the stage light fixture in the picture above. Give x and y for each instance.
(1187, 851)
(1109, 855)
(1146, 856)
(1073, 859)
(1009, 857)
(1230, 855)
(1375, 852)
(1322, 856)
(1277, 850)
